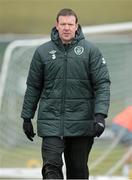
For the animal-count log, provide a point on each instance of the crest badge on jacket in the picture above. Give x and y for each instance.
(78, 50)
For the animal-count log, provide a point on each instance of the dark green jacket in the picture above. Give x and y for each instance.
(71, 84)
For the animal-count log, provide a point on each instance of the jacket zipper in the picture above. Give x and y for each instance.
(63, 95)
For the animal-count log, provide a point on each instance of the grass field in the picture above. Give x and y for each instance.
(38, 16)
(98, 150)
(25, 157)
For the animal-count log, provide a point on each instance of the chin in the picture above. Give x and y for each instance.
(67, 39)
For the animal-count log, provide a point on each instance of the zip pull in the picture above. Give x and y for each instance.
(65, 54)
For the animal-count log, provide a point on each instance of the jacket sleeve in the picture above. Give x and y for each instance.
(100, 81)
(35, 82)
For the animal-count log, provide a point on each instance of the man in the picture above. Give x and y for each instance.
(69, 78)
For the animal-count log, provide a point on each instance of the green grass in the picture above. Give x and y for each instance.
(114, 156)
(19, 157)
(38, 16)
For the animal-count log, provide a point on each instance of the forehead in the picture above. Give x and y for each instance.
(66, 19)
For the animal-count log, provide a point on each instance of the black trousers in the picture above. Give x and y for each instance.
(76, 152)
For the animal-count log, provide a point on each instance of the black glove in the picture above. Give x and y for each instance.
(99, 124)
(28, 129)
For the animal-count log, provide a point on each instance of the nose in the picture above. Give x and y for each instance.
(66, 26)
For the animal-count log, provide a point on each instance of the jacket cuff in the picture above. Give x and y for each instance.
(100, 116)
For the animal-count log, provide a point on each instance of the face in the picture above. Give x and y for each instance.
(66, 27)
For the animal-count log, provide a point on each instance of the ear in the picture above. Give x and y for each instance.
(76, 26)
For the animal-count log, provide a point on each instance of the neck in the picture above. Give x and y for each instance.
(66, 42)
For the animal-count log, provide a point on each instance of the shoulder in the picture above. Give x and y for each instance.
(93, 49)
(42, 50)
(90, 47)
(43, 47)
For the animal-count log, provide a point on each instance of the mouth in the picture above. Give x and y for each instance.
(66, 34)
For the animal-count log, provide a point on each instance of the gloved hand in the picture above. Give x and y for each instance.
(99, 124)
(28, 129)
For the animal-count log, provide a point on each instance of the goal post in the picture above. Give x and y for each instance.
(7, 57)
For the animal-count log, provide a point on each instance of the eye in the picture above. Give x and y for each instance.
(62, 24)
(71, 24)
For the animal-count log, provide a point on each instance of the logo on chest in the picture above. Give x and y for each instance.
(53, 54)
(78, 50)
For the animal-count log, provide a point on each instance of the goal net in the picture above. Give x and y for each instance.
(15, 149)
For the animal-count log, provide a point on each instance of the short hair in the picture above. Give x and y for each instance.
(66, 12)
